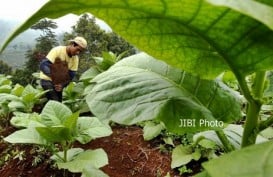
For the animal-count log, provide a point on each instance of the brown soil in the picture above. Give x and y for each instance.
(129, 156)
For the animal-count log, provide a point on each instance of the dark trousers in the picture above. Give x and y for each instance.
(52, 94)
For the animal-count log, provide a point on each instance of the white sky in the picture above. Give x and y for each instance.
(19, 9)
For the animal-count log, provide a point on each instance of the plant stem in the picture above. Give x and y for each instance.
(223, 138)
(65, 149)
(259, 83)
(265, 124)
(251, 125)
(253, 110)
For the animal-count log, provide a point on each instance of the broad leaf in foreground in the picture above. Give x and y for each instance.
(254, 9)
(195, 36)
(252, 161)
(140, 88)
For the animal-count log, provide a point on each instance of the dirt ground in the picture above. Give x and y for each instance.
(129, 156)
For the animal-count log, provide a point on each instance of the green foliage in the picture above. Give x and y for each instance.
(233, 132)
(254, 9)
(202, 39)
(140, 88)
(199, 149)
(229, 79)
(17, 98)
(88, 75)
(86, 26)
(21, 98)
(184, 169)
(269, 87)
(5, 83)
(202, 148)
(5, 68)
(57, 128)
(190, 37)
(24, 76)
(74, 93)
(245, 162)
(175, 28)
(184, 154)
(73, 97)
(5, 88)
(99, 41)
(45, 26)
(107, 60)
(44, 43)
(202, 174)
(116, 44)
(152, 130)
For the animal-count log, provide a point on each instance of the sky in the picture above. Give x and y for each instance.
(20, 10)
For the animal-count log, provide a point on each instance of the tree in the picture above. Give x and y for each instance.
(118, 45)
(47, 39)
(45, 42)
(206, 41)
(98, 41)
(5, 68)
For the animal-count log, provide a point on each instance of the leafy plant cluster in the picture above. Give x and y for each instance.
(56, 133)
(17, 98)
(196, 41)
(74, 94)
(56, 129)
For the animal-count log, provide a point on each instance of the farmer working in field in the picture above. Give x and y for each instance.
(60, 66)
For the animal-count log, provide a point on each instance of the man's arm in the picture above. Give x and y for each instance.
(71, 74)
(45, 66)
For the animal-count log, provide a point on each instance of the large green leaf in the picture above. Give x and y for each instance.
(55, 113)
(71, 154)
(23, 120)
(96, 158)
(18, 90)
(193, 35)
(252, 161)
(29, 90)
(88, 162)
(233, 132)
(93, 172)
(182, 155)
(254, 9)
(89, 128)
(8, 97)
(141, 88)
(54, 134)
(71, 123)
(29, 135)
(5, 88)
(152, 130)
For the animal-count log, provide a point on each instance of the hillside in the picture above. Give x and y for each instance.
(14, 54)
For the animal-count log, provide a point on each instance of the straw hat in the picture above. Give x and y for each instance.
(80, 41)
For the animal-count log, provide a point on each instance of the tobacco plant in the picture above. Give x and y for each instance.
(73, 97)
(56, 129)
(199, 38)
(17, 98)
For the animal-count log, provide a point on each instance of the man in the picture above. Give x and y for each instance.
(68, 55)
